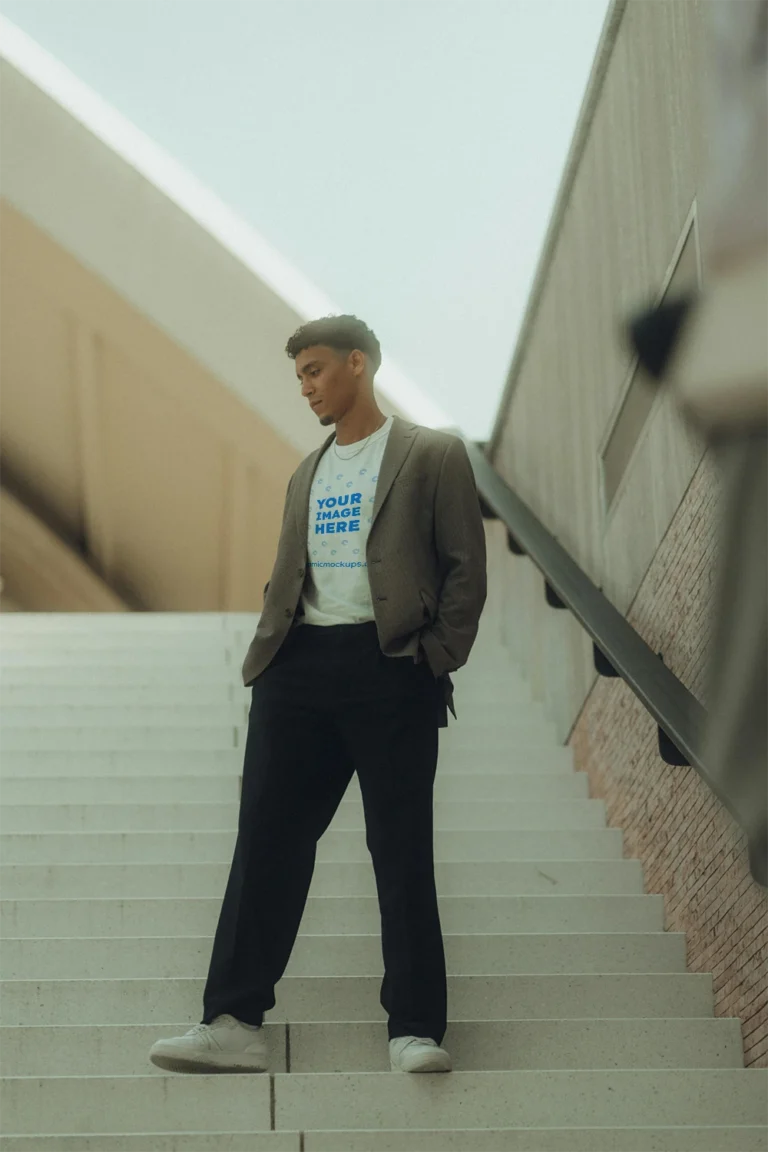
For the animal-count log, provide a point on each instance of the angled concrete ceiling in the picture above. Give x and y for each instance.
(150, 418)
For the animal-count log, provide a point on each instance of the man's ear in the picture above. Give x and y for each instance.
(357, 362)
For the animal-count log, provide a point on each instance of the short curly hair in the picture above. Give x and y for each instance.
(344, 333)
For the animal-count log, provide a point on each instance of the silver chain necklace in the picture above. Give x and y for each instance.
(362, 446)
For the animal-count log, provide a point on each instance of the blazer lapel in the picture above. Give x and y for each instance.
(399, 444)
(303, 486)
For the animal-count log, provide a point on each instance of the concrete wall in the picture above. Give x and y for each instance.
(630, 206)
(624, 230)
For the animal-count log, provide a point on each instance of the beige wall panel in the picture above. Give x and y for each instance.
(164, 477)
(177, 486)
(38, 417)
(264, 516)
(40, 573)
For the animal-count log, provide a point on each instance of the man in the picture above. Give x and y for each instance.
(375, 597)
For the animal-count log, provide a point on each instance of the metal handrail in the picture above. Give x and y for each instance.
(619, 650)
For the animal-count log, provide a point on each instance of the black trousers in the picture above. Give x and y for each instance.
(331, 704)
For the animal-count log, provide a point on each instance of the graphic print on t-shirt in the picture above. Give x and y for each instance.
(341, 502)
(335, 526)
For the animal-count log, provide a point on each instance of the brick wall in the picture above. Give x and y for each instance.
(691, 851)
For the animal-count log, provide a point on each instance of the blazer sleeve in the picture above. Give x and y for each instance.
(285, 516)
(461, 550)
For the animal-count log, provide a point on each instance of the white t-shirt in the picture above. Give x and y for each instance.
(340, 511)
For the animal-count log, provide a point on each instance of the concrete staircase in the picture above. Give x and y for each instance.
(573, 1022)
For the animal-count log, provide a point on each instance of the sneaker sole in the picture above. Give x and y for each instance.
(436, 1063)
(170, 1063)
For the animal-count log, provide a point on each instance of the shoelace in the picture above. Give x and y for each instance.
(197, 1028)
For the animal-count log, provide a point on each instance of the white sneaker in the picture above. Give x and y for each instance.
(418, 1054)
(224, 1045)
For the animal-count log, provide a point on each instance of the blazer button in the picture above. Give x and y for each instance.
(288, 612)
(301, 571)
(381, 597)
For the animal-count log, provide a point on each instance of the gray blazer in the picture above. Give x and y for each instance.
(426, 556)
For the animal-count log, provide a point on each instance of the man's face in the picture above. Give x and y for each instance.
(330, 380)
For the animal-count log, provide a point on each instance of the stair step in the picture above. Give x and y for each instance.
(466, 737)
(533, 953)
(217, 659)
(324, 915)
(356, 998)
(31, 718)
(128, 623)
(87, 713)
(517, 757)
(158, 1142)
(502, 1045)
(115, 739)
(123, 738)
(506, 705)
(106, 644)
(218, 787)
(201, 846)
(515, 699)
(495, 692)
(498, 1045)
(69, 1104)
(635, 1139)
(150, 762)
(215, 662)
(464, 815)
(526, 1099)
(535, 1099)
(136, 674)
(129, 696)
(540, 1044)
(453, 878)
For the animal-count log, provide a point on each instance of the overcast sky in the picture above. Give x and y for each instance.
(403, 154)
